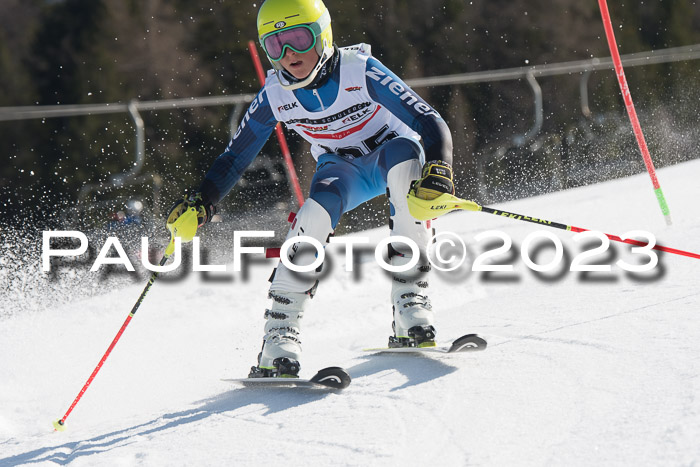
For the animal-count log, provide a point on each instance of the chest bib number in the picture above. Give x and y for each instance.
(368, 145)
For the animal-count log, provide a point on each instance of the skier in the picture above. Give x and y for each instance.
(364, 125)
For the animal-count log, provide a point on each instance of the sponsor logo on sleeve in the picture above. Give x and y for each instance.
(406, 95)
(251, 110)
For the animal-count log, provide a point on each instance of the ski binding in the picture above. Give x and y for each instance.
(328, 378)
(466, 343)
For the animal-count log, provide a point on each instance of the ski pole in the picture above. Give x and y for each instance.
(631, 112)
(185, 227)
(59, 425)
(429, 209)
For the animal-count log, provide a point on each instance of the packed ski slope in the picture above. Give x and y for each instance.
(581, 369)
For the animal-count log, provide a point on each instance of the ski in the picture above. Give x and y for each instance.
(328, 378)
(466, 343)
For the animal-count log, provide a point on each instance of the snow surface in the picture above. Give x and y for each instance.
(581, 369)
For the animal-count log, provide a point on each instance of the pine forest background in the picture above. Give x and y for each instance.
(107, 51)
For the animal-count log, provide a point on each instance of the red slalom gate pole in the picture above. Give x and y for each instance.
(278, 129)
(631, 112)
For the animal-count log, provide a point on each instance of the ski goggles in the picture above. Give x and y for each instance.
(300, 39)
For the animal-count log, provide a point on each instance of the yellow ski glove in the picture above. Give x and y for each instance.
(433, 195)
(436, 179)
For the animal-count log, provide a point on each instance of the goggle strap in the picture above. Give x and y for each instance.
(322, 23)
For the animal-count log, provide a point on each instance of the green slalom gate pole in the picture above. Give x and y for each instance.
(631, 112)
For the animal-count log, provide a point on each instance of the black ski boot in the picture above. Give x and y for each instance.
(418, 336)
(282, 368)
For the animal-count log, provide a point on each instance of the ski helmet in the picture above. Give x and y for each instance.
(278, 16)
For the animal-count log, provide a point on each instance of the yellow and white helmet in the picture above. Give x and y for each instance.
(299, 25)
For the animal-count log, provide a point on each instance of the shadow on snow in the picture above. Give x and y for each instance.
(417, 369)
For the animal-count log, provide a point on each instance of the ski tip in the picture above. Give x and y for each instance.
(332, 377)
(470, 342)
(59, 426)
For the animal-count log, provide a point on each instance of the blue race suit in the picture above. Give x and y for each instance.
(357, 179)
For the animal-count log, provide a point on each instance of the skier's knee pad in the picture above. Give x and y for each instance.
(401, 221)
(313, 221)
(331, 197)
